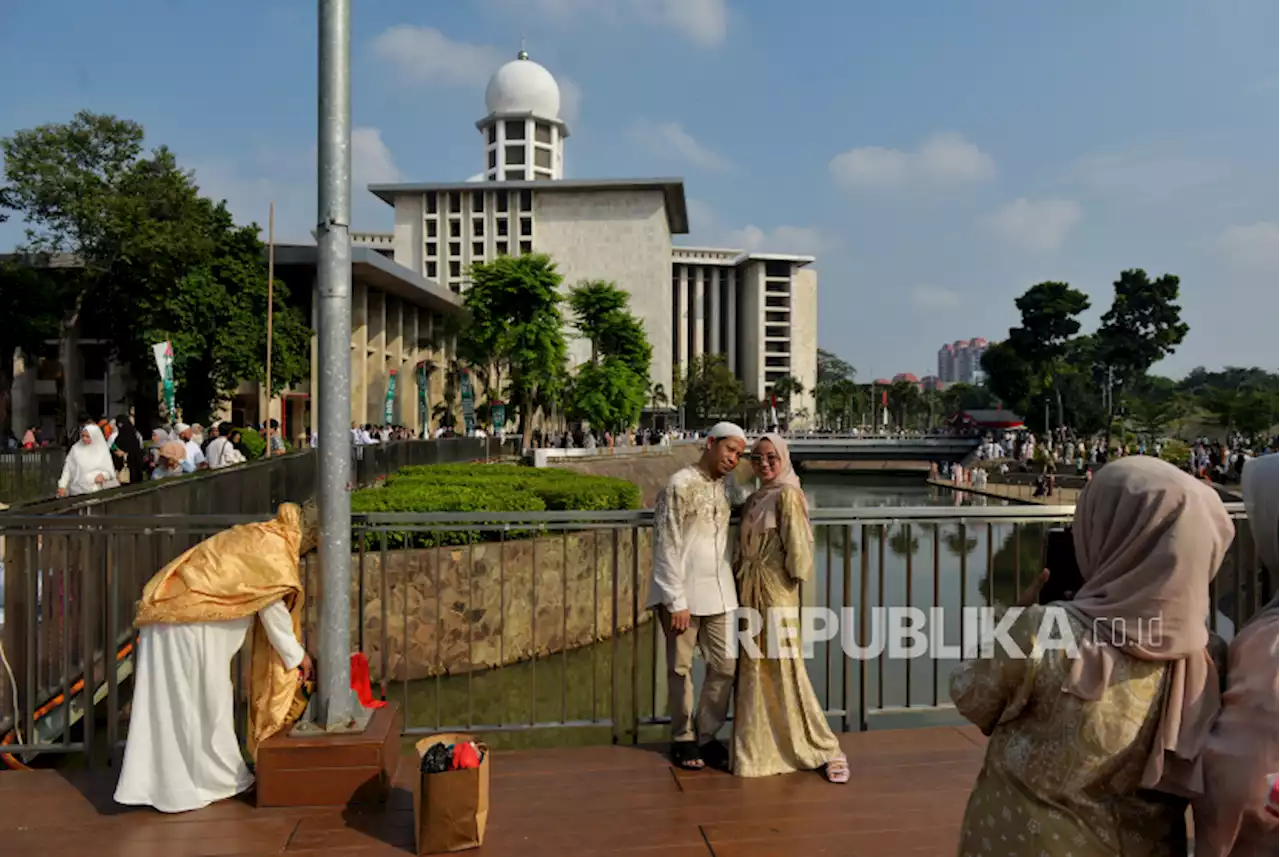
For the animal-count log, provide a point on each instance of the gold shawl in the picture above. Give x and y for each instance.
(229, 576)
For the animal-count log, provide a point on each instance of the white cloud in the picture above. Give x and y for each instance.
(1144, 177)
(1252, 247)
(288, 178)
(943, 159)
(1036, 225)
(707, 230)
(570, 99)
(664, 138)
(800, 240)
(427, 56)
(371, 160)
(703, 22)
(932, 299)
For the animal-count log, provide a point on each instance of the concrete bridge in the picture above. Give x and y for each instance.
(810, 449)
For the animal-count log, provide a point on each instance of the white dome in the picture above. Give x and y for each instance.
(523, 86)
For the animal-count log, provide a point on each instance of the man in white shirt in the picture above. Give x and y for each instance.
(695, 596)
(194, 454)
(213, 453)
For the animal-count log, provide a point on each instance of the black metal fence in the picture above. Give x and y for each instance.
(259, 487)
(27, 475)
(537, 620)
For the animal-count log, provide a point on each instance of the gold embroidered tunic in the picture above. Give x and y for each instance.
(1061, 773)
(778, 724)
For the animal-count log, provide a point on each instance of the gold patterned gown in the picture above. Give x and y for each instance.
(778, 723)
(1061, 776)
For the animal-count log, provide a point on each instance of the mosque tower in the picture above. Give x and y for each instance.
(523, 133)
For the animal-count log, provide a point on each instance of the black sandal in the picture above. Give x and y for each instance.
(684, 754)
(715, 755)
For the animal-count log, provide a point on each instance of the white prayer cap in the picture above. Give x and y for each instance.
(180, 428)
(719, 431)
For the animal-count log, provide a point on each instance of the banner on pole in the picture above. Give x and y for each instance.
(163, 352)
(499, 412)
(390, 414)
(422, 398)
(468, 404)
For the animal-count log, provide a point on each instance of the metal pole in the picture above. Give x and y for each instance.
(334, 297)
(271, 281)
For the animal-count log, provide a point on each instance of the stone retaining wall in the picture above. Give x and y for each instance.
(493, 604)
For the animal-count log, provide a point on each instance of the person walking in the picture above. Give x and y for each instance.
(693, 592)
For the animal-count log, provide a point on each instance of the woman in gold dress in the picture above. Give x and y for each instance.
(1095, 753)
(778, 723)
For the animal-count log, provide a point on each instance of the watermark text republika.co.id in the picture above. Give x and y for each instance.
(913, 632)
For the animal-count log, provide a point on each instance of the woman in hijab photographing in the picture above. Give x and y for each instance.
(1231, 817)
(1096, 752)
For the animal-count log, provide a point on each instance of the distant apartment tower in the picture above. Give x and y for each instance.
(960, 362)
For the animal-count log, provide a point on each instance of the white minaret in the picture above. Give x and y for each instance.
(523, 134)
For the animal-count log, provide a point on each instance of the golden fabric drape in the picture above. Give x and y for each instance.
(229, 576)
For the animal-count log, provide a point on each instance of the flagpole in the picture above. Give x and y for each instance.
(271, 282)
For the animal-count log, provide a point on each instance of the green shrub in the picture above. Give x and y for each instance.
(1176, 452)
(485, 488)
(253, 442)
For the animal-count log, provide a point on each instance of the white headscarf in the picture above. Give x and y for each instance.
(87, 460)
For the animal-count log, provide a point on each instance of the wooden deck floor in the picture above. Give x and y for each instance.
(906, 797)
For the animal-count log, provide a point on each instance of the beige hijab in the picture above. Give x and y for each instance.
(1242, 749)
(761, 510)
(1149, 539)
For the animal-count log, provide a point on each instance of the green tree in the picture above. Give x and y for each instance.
(68, 181)
(1049, 323)
(835, 395)
(33, 317)
(516, 323)
(612, 389)
(786, 388)
(904, 402)
(711, 390)
(1009, 376)
(1143, 325)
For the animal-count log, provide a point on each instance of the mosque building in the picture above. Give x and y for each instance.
(758, 310)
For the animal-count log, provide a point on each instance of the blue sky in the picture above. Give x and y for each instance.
(938, 157)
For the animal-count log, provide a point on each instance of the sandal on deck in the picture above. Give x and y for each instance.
(837, 770)
(684, 754)
(715, 754)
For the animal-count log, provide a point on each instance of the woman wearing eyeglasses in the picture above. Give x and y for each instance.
(779, 726)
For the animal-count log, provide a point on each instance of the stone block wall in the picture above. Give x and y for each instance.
(449, 610)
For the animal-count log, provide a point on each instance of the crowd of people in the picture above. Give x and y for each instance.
(111, 453)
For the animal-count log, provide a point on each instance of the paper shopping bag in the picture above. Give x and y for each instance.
(450, 808)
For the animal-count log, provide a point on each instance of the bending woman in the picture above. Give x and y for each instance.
(182, 752)
(778, 722)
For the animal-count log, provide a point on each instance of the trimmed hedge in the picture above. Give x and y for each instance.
(485, 488)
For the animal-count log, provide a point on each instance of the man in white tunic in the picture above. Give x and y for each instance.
(693, 591)
(182, 751)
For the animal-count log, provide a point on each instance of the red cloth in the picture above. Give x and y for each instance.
(464, 756)
(360, 681)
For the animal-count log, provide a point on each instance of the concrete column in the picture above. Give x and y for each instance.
(22, 395)
(313, 379)
(359, 352)
(682, 318)
(732, 302)
(714, 346)
(398, 361)
(699, 305)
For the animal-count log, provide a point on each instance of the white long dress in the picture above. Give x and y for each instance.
(182, 752)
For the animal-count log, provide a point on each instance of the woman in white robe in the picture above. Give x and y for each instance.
(182, 752)
(89, 466)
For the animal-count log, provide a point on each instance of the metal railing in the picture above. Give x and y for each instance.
(260, 486)
(27, 475)
(520, 622)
